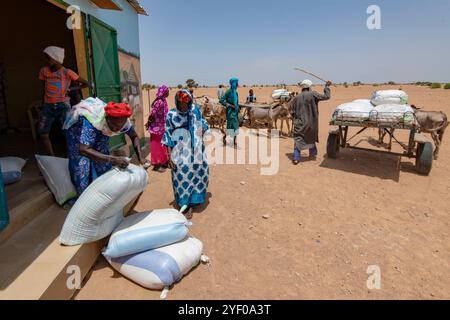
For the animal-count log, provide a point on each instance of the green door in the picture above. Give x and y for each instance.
(105, 67)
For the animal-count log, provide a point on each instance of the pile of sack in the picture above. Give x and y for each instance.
(385, 106)
(281, 94)
(152, 249)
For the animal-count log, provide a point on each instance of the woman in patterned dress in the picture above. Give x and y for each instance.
(155, 126)
(89, 128)
(185, 128)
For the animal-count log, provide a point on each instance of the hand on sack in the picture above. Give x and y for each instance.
(171, 164)
(120, 162)
(145, 164)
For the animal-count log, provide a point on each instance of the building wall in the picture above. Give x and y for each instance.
(126, 22)
(131, 92)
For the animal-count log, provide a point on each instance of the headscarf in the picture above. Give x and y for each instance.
(55, 53)
(306, 84)
(158, 111)
(118, 110)
(234, 84)
(93, 109)
(185, 96)
(161, 94)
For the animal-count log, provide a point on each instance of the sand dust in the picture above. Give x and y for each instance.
(325, 223)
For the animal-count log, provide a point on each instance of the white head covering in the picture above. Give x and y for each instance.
(305, 84)
(55, 53)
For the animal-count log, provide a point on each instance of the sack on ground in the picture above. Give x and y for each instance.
(162, 267)
(389, 97)
(99, 210)
(12, 169)
(145, 231)
(57, 176)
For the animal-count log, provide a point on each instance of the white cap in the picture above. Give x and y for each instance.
(55, 53)
(306, 84)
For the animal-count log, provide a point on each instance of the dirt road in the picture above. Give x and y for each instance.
(329, 220)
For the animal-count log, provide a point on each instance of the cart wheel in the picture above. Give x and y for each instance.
(333, 145)
(424, 158)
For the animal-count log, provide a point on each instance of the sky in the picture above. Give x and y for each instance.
(261, 41)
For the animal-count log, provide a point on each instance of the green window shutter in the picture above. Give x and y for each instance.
(106, 71)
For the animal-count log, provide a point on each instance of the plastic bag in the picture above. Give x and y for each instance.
(99, 210)
(393, 113)
(160, 268)
(12, 169)
(356, 111)
(57, 176)
(145, 231)
(389, 97)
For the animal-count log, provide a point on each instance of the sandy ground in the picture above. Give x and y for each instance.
(329, 220)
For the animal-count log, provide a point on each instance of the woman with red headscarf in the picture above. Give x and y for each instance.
(183, 136)
(89, 127)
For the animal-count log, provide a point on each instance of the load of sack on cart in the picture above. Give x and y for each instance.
(388, 110)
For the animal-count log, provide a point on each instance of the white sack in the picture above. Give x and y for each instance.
(99, 210)
(57, 176)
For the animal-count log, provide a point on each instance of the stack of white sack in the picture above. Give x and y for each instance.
(280, 94)
(153, 249)
(99, 210)
(389, 97)
(356, 111)
(393, 114)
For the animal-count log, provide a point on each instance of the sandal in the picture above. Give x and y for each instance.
(188, 214)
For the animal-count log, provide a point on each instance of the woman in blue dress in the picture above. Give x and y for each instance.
(89, 126)
(230, 101)
(183, 136)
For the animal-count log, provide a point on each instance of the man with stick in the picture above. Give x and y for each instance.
(305, 114)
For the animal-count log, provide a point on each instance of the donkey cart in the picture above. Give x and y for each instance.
(418, 146)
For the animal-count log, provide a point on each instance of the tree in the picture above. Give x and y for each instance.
(190, 83)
